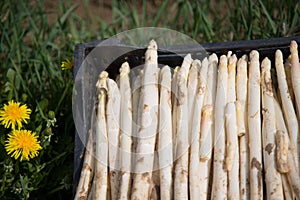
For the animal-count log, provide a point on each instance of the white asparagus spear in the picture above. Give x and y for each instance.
(232, 151)
(174, 110)
(232, 148)
(149, 124)
(274, 188)
(136, 113)
(192, 87)
(165, 146)
(101, 162)
(293, 173)
(219, 187)
(254, 124)
(241, 112)
(295, 70)
(155, 172)
(205, 161)
(181, 165)
(182, 143)
(87, 172)
(231, 94)
(113, 117)
(194, 175)
(125, 132)
(287, 104)
(205, 153)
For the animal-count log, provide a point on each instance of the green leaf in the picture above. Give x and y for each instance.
(271, 22)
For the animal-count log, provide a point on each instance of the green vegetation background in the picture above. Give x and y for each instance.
(36, 36)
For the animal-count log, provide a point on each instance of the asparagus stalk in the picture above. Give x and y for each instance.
(125, 131)
(192, 86)
(194, 175)
(207, 128)
(165, 147)
(136, 113)
(272, 176)
(181, 166)
(205, 161)
(241, 113)
(293, 173)
(101, 162)
(254, 124)
(232, 148)
(87, 172)
(174, 87)
(113, 116)
(156, 172)
(232, 151)
(287, 104)
(149, 123)
(219, 187)
(295, 70)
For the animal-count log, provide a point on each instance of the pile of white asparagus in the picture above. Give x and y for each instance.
(219, 128)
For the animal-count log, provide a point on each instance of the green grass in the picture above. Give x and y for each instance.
(31, 52)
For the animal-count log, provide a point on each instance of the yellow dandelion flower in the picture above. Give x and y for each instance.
(13, 114)
(22, 143)
(67, 64)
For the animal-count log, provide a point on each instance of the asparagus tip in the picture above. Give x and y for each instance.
(213, 58)
(229, 54)
(223, 61)
(294, 47)
(196, 63)
(103, 75)
(152, 45)
(254, 55)
(124, 68)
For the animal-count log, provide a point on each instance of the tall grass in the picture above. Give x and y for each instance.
(32, 49)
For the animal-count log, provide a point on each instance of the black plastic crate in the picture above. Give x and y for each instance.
(172, 55)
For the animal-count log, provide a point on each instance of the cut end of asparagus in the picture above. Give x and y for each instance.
(125, 69)
(294, 47)
(254, 55)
